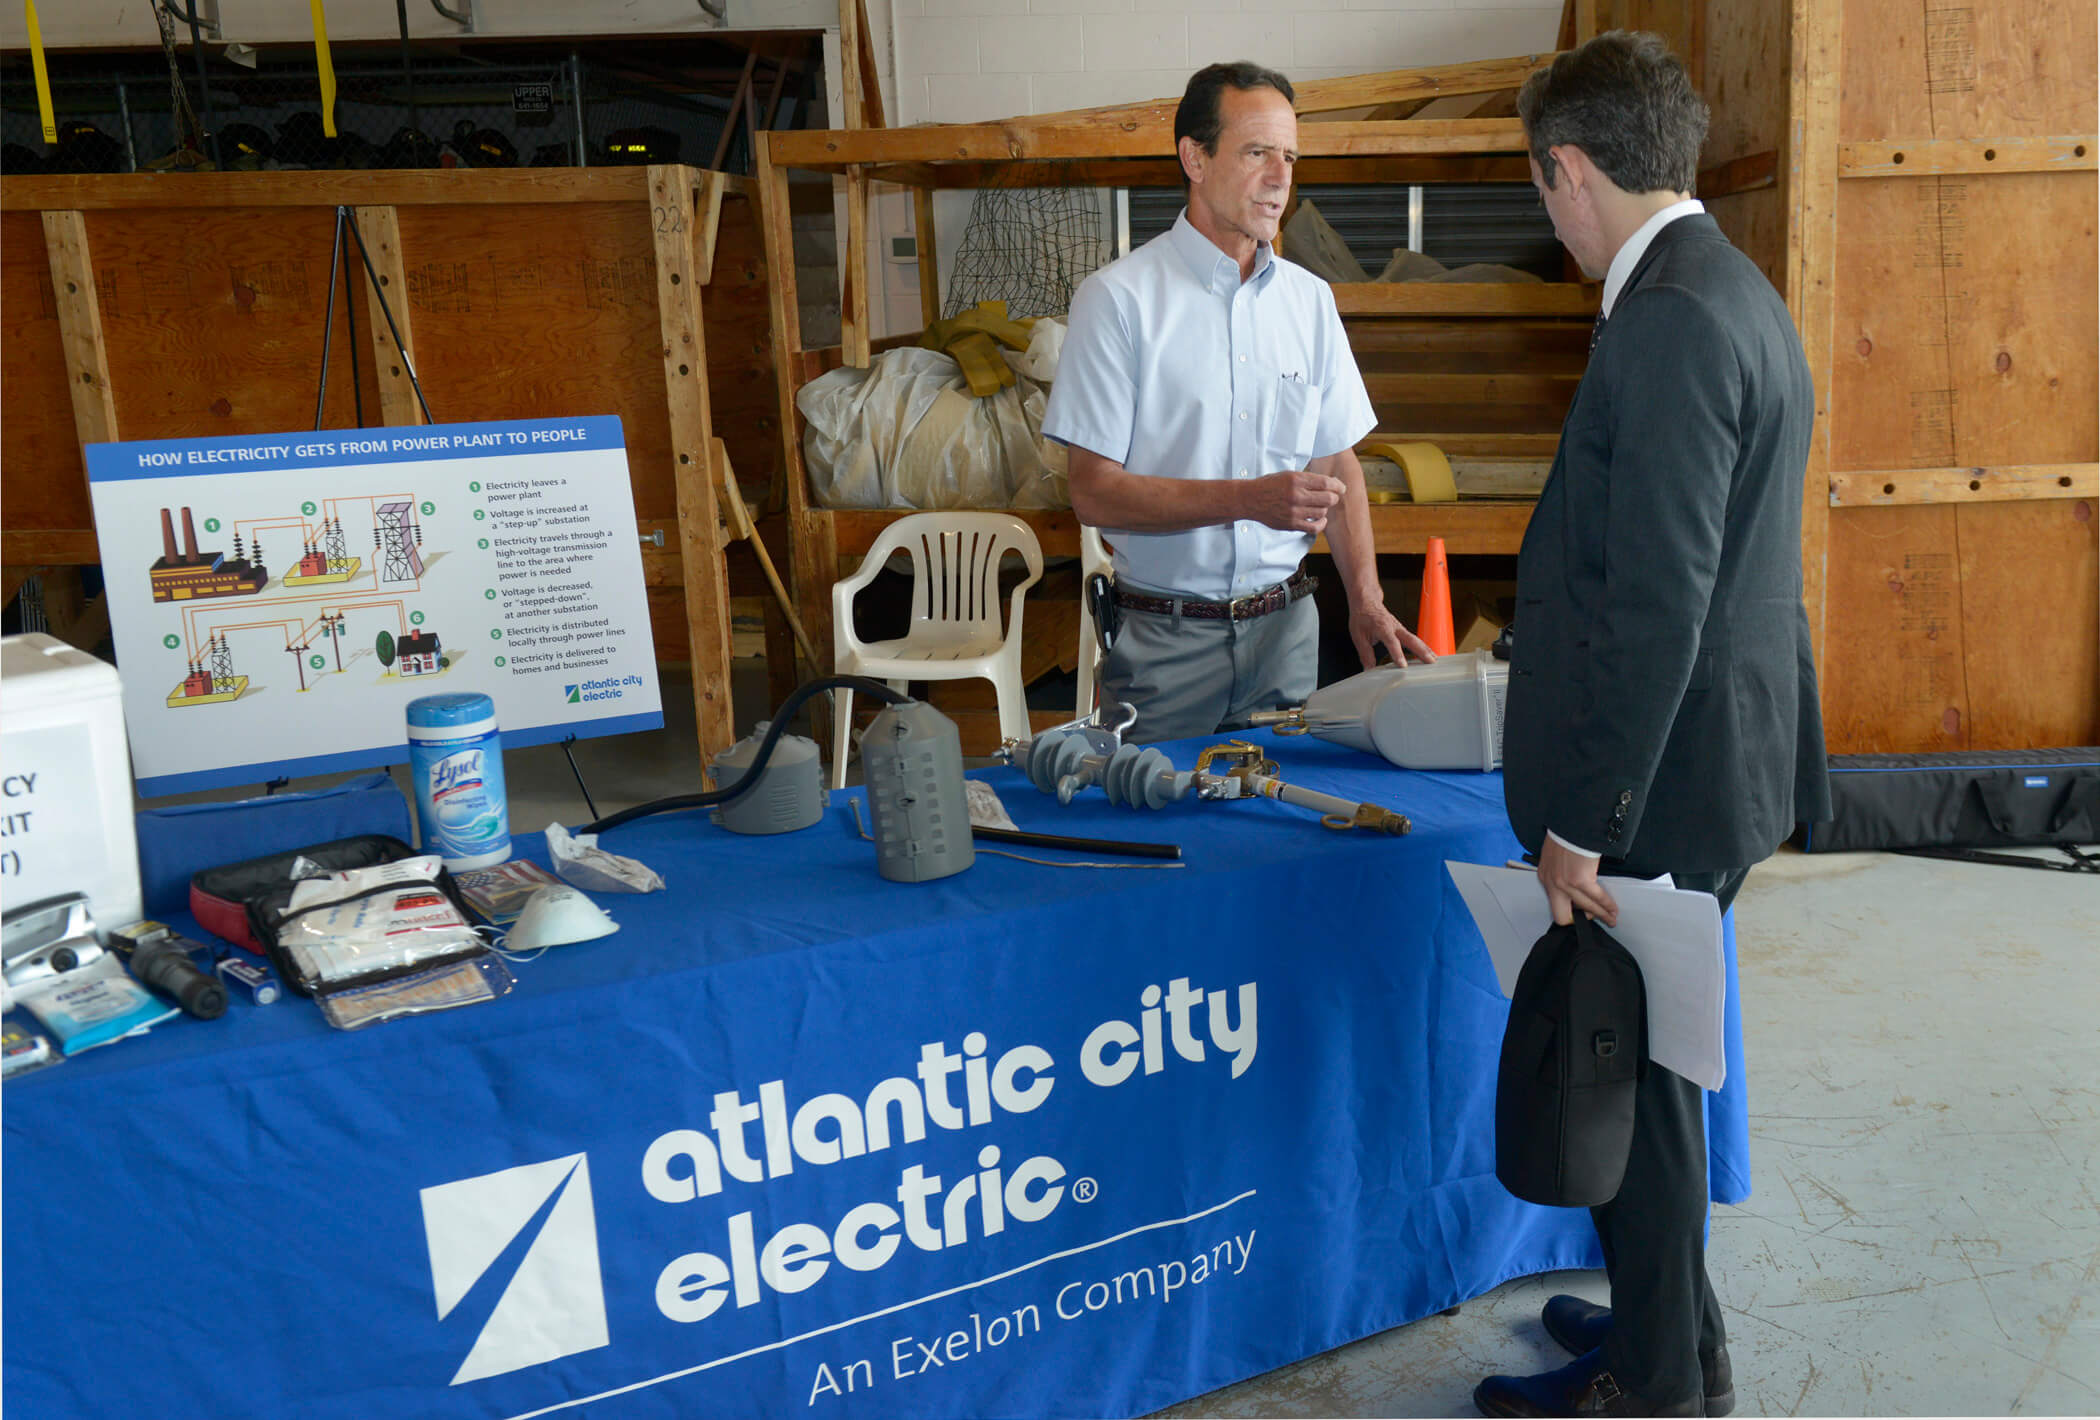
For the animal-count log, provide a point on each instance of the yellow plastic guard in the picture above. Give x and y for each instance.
(326, 67)
(43, 79)
(1427, 471)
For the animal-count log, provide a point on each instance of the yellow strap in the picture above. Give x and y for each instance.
(1427, 471)
(327, 67)
(43, 80)
(989, 317)
(983, 367)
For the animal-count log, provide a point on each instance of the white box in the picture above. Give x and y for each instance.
(65, 781)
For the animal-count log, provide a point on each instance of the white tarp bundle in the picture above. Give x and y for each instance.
(906, 433)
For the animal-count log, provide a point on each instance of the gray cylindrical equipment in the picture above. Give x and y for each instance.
(912, 758)
(790, 793)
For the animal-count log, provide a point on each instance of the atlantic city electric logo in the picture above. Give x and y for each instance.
(572, 694)
(528, 1236)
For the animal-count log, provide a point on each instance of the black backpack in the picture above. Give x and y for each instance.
(1571, 1060)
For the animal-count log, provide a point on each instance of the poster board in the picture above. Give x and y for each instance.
(277, 600)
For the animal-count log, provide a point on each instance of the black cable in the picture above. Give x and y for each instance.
(577, 770)
(1078, 845)
(211, 136)
(357, 378)
(781, 719)
(335, 262)
(408, 68)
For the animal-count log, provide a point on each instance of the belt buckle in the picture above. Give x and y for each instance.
(1239, 608)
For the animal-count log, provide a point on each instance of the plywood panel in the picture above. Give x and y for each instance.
(213, 320)
(2031, 622)
(1893, 670)
(1988, 69)
(1964, 336)
(2022, 307)
(1756, 222)
(2001, 69)
(740, 347)
(1892, 392)
(520, 316)
(1887, 52)
(1743, 75)
(43, 483)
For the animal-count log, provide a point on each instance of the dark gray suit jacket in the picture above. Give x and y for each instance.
(1662, 698)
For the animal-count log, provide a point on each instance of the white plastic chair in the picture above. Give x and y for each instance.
(1094, 557)
(954, 631)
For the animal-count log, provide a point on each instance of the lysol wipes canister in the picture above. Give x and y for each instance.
(455, 755)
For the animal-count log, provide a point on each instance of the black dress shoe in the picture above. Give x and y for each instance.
(1582, 1387)
(1580, 1327)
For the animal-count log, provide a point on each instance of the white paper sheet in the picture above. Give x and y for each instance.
(1675, 936)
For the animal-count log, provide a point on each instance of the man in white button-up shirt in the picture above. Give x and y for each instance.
(1211, 406)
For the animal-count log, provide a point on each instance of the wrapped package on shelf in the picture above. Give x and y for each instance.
(907, 433)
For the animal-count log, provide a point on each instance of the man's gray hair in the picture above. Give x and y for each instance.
(1628, 103)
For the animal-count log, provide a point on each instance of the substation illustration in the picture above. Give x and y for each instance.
(328, 597)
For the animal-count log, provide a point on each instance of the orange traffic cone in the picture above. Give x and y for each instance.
(1433, 624)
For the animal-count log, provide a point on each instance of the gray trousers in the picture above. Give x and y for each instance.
(1194, 676)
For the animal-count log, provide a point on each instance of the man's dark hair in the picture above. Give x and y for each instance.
(1628, 103)
(1200, 117)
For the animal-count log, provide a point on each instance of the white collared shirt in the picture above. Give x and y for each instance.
(1174, 367)
(1629, 256)
(1615, 279)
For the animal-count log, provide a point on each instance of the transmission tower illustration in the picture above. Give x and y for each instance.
(396, 540)
(222, 677)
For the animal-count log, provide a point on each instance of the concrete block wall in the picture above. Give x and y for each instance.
(965, 61)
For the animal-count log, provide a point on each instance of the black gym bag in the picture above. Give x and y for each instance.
(1977, 799)
(1571, 1061)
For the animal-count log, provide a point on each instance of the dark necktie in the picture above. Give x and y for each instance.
(1597, 332)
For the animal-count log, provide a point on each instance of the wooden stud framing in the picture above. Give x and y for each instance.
(1486, 298)
(80, 321)
(813, 554)
(381, 229)
(1896, 158)
(1893, 487)
(90, 192)
(1166, 172)
(1746, 174)
(853, 272)
(1811, 265)
(928, 248)
(835, 150)
(678, 206)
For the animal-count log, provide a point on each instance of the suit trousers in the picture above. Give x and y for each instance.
(1664, 1315)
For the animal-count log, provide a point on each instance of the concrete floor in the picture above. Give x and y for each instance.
(1924, 1063)
(1924, 1234)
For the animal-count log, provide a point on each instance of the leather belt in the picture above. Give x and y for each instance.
(1244, 608)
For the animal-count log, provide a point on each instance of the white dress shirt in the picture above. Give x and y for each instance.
(1174, 367)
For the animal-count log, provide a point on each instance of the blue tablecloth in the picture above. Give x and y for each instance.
(1028, 1140)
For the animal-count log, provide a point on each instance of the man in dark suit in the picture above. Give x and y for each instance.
(1662, 710)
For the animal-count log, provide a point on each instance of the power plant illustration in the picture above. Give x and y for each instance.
(191, 575)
